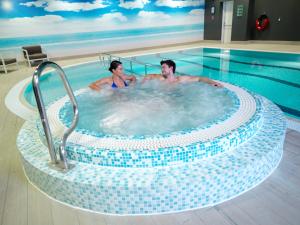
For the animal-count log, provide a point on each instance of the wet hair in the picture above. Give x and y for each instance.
(169, 63)
(114, 65)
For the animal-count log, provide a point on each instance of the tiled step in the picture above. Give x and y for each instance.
(184, 186)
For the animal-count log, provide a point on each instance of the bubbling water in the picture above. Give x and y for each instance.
(151, 108)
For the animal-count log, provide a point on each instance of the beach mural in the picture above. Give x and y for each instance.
(73, 27)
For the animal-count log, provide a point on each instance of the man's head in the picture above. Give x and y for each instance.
(167, 67)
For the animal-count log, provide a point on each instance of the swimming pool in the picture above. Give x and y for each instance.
(273, 75)
(151, 173)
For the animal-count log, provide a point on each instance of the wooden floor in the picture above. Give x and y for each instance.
(276, 201)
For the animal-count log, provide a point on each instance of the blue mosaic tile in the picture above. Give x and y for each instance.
(167, 156)
(150, 190)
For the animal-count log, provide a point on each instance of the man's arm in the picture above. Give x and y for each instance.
(200, 79)
(209, 81)
(151, 77)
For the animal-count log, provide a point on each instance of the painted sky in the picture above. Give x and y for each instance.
(44, 17)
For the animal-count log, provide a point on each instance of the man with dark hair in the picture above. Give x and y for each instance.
(170, 63)
(168, 68)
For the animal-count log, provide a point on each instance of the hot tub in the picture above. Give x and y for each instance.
(138, 171)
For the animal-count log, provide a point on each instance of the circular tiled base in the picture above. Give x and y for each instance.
(224, 134)
(184, 186)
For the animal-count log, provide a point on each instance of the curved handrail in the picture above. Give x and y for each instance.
(43, 114)
(131, 60)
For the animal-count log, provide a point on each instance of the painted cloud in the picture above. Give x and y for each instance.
(112, 17)
(136, 4)
(72, 16)
(59, 5)
(179, 3)
(153, 15)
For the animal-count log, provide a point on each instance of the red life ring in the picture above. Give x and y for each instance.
(262, 22)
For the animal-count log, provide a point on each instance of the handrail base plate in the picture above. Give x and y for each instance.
(59, 166)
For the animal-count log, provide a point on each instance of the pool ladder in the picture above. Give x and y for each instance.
(62, 163)
(107, 58)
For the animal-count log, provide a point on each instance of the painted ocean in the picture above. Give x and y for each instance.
(92, 42)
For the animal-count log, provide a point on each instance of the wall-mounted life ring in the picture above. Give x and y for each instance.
(262, 22)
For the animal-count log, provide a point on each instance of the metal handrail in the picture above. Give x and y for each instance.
(132, 59)
(63, 163)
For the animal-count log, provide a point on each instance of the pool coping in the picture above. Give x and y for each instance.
(155, 150)
(246, 109)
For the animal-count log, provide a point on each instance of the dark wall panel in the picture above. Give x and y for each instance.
(241, 24)
(213, 22)
(284, 19)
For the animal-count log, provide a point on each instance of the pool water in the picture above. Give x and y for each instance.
(151, 108)
(273, 75)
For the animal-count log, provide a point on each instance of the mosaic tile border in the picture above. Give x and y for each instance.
(244, 113)
(133, 191)
(167, 156)
(163, 156)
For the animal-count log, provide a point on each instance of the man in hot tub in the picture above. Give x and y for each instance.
(168, 68)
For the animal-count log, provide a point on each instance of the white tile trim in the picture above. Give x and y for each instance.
(242, 115)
